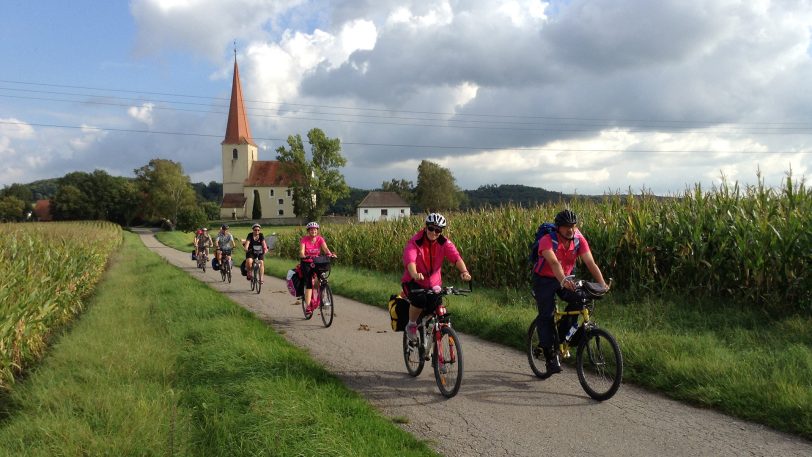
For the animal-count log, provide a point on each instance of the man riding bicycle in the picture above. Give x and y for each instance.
(557, 255)
(225, 244)
(423, 260)
(255, 249)
(203, 242)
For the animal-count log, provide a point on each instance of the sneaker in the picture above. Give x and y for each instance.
(551, 361)
(249, 276)
(411, 331)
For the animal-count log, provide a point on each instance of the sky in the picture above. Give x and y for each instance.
(573, 96)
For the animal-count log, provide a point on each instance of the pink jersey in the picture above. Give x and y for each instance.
(428, 257)
(566, 255)
(312, 245)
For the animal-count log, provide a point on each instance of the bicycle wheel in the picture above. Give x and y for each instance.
(413, 352)
(229, 274)
(205, 261)
(535, 356)
(326, 305)
(223, 273)
(599, 364)
(253, 279)
(447, 361)
(257, 279)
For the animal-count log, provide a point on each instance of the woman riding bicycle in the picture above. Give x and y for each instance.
(311, 245)
(203, 242)
(255, 249)
(557, 255)
(225, 244)
(423, 260)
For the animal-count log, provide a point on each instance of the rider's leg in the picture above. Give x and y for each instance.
(249, 265)
(545, 289)
(261, 270)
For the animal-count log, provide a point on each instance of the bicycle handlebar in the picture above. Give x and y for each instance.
(448, 290)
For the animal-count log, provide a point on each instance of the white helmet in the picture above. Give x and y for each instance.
(256, 226)
(436, 219)
(311, 225)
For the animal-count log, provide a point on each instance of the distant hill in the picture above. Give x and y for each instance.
(517, 194)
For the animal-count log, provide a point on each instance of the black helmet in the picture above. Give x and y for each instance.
(566, 217)
(224, 226)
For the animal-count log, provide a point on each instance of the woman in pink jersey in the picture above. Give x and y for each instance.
(423, 260)
(311, 245)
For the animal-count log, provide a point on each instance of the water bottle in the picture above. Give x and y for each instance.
(571, 332)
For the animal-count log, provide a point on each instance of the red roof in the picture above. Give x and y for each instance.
(233, 201)
(237, 129)
(267, 173)
(42, 209)
(378, 199)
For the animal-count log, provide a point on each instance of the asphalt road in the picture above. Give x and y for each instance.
(501, 409)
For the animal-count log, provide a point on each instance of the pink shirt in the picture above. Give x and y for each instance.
(429, 261)
(312, 245)
(566, 255)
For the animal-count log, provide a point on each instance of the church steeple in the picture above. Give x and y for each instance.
(237, 129)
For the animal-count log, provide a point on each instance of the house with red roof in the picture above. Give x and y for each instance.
(245, 177)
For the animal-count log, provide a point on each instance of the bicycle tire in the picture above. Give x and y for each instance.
(535, 356)
(599, 364)
(223, 273)
(257, 279)
(326, 310)
(229, 275)
(448, 374)
(413, 354)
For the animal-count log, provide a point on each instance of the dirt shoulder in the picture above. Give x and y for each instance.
(502, 409)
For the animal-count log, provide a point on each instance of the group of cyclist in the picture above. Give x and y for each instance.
(423, 258)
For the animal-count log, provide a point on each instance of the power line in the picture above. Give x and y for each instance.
(416, 146)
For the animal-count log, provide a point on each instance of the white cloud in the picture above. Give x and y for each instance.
(142, 113)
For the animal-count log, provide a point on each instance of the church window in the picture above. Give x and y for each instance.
(234, 154)
(281, 212)
(281, 201)
(271, 192)
(288, 192)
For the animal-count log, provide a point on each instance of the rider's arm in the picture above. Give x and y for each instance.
(464, 274)
(412, 268)
(301, 250)
(245, 244)
(593, 268)
(558, 270)
(264, 247)
(325, 249)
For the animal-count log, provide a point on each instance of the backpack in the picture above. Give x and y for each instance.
(546, 228)
(243, 268)
(215, 265)
(398, 312)
(294, 281)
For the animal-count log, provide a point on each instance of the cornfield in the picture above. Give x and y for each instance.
(49, 268)
(749, 245)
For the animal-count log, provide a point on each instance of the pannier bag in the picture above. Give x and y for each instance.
(215, 265)
(295, 282)
(398, 312)
(194, 255)
(243, 269)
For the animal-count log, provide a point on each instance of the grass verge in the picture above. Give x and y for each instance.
(160, 364)
(735, 359)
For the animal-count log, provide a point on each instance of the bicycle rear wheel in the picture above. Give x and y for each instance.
(326, 305)
(535, 356)
(599, 364)
(447, 362)
(413, 352)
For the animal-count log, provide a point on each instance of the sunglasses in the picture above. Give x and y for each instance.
(437, 230)
(256, 230)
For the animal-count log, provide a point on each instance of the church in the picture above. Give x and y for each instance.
(245, 177)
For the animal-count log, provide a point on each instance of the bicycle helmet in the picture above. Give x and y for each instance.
(224, 226)
(311, 225)
(205, 229)
(256, 226)
(436, 219)
(566, 217)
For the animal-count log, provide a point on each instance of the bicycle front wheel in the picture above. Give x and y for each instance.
(326, 305)
(447, 362)
(535, 356)
(229, 275)
(413, 353)
(599, 364)
(257, 280)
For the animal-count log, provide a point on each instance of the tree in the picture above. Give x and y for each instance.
(211, 209)
(256, 210)
(168, 190)
(401, 187)
(20, 191)
(11, 208)
(317, 183)
(190, 218)
(70, 203)
(436, 188)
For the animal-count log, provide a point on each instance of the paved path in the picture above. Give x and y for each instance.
(502, 409)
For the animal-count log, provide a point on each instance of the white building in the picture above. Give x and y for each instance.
(381, 206)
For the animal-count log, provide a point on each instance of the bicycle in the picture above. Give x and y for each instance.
(445, 352)
(598, 360)
(322, 295)
(225, 266)
(256, 281)
(202, 258)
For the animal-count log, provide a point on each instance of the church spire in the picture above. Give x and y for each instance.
(237, 129)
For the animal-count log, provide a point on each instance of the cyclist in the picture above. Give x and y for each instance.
(311, 245)
(203, 241)
(225, 244)
(557, 256)
(423, 260)
(255, 249)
